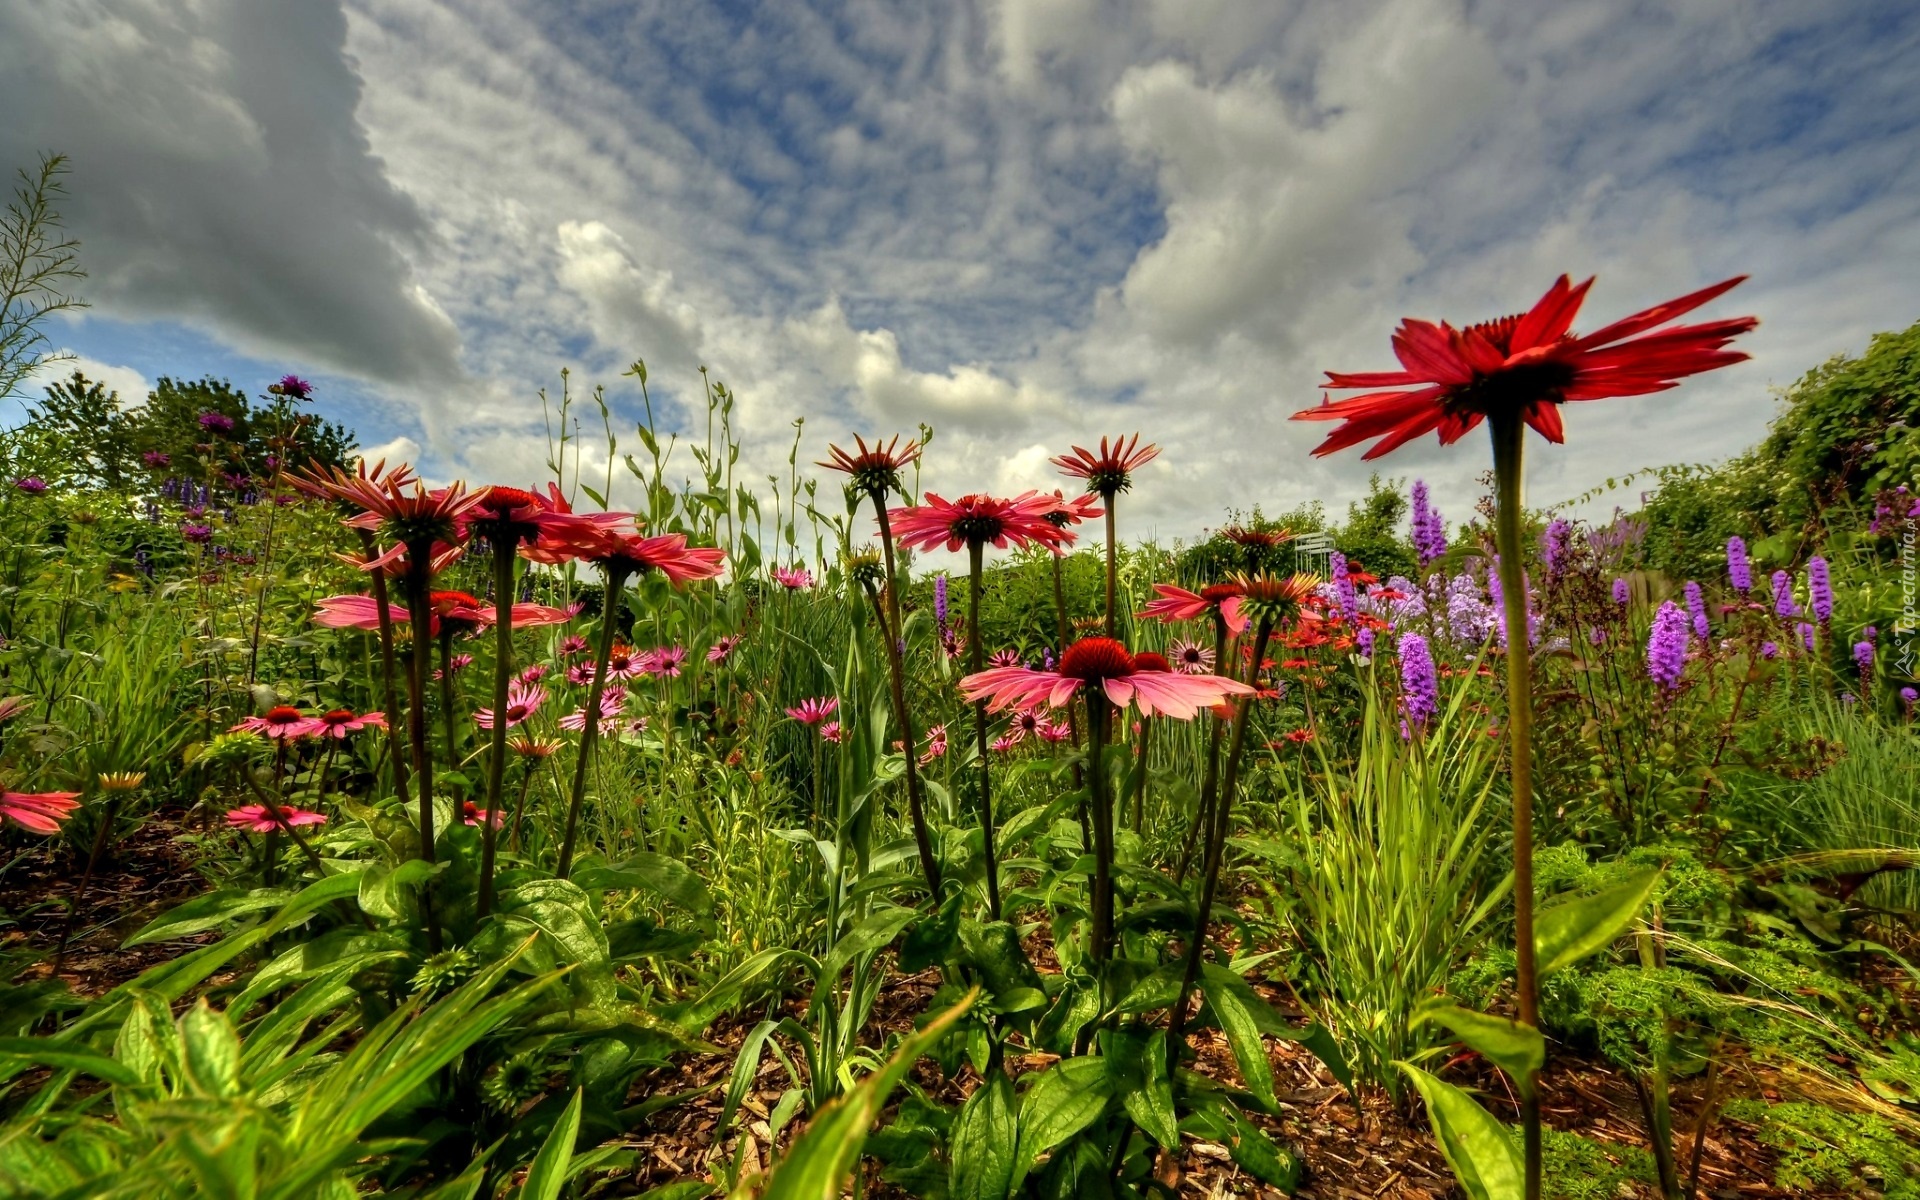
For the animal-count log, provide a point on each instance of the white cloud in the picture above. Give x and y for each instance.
(129, 383)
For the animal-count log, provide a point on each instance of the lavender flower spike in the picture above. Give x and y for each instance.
(1419, 682)
(1739, 570)
(1697, 608)
(1667, 646)
(1820, 589)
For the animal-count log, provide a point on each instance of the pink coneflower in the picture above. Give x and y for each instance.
(794, 579)
(523, 700)
(665, 663)
(455, 665)
(1527, 365)
(631, 554)
(38, 812)
(625, 662)
(340, 723)
(282, 723)
(1004, 658)
(1004, 743)
(814, 710)
(256, 818)
(580, 674)
(1175, 603)
(978, 520)
(1110, 471)
(611, 702)
(474, 814)
(830, 732)
(936, 745)
(1191, 657)
(571, 645)
(532, 674)
(723, 649)
(406, 516)
(1103, 663)
(1028, 723)
(13, 706)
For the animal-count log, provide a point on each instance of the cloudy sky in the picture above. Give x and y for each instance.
(1025, 222)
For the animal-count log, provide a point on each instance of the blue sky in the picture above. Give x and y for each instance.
(1027, 222)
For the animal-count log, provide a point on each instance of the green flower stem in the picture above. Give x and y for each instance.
(1216, 845)
(975, 663)
(1099, 714)
(1508, 442)
(503, 550)
(387, 694)
(1210, 782)
(894, 635)
(1110, 571)
(420, 618)
(590, 734)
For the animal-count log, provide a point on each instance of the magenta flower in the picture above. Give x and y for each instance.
(830, 732)
(794, 579)
(282, 723)
(936, 745)
(523, 700)
(571, 645)
(216, 422)
(1101, 663)
(1004, 658)
(293, 386)
(1667, 646)
(199, 535)
(612, 701)
(255, 818)
(1621, 594)
(33, 485)
(814, 710)
(723, 649)
(340, 723)
(156, 459)
(38, 812)
(665, 662)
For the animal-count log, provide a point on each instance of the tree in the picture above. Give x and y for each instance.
(1374, 535)
(86, 429)
(37, 264)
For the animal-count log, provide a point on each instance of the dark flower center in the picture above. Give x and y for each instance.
(1096, 658)
(283, 715)
(1147, 660)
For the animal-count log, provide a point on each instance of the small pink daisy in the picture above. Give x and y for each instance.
(723, 649)
(523, 700)
(794, 579)
(815, 710)
(254, 818)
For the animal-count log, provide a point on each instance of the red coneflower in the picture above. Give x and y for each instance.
(873, 469)
(38, 812)
(1175, 603)
(1525, 365)
(1102, 663)
(340, 723)
(282, 723)
(256, 818)
(1110, 471)
(523, 700)
(976, 520)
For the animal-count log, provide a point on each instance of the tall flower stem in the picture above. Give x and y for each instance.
(1099, 713)
(448, 728)
(503, 548)
(387, 694)
(420, 617)
(1110, 566)
(590, 733)
(1216, 845)
(897, 685)
(1139, 781)
(894, 635)
(1063, 633)
(976, 646)
(1508, 442)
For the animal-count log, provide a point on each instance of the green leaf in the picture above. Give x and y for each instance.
(211, 1051)
(824, 1156)
(880, 928)
(1478, 1148)
(1572, 929)
(48, 1053)
(386, 892)
(666, 877)
(1238, 1009)
(986, 1142)
(1068, 1097)
(208, 912)
(1151, 1104)
(932, 940)
(994, 947)
(1519, 1050)
(549, 1170)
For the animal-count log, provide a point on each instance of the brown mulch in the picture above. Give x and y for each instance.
(148, 873)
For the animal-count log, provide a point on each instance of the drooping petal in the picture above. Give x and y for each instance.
(1548, 321)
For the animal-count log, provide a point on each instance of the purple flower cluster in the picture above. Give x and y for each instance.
(940, 600)
(216, 422)
(1419, 682)
(1620, 592)
(1783, 604)
(1469, 618)
(1739, 570)
(1820, 589)
(1667, 646)
(156, 458)
(1863, 658)
(1806, 635)
(1429, 529)
(33, 485)
(1553, 546)
(1364, 639)
(197, 534)
(1343, 586)
(1697, 608)
(294, 386)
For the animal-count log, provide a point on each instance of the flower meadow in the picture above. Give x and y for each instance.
(371, 835)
